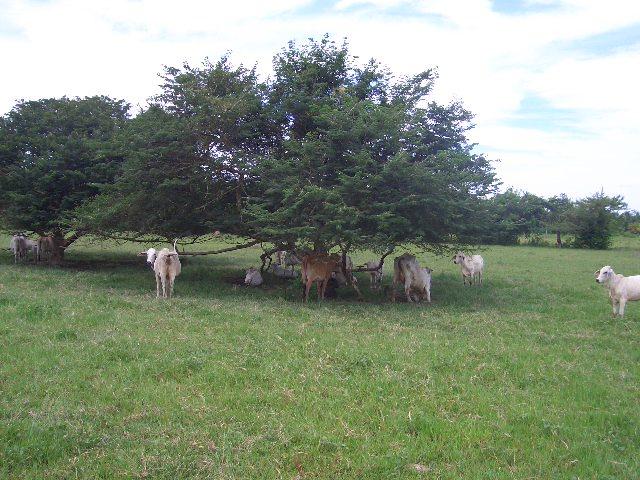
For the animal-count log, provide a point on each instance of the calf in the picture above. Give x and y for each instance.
(318, 267)
(375, 275)
(472, 267)
(621, 289)
(416, 280)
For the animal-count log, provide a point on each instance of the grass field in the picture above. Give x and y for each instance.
(526, 377)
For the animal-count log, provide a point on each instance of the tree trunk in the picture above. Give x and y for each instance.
(558, 239)
(59, 245)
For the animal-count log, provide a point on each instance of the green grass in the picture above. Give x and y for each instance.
(526, 377)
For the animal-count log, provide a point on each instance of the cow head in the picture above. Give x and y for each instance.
(151, 255)
(458, 258)
(604, 274)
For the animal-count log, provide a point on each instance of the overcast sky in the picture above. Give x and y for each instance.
(554, 84)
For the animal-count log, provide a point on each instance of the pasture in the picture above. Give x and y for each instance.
(525, 377)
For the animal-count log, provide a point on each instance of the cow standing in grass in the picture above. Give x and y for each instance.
(46, 245)
(471, 266)
(18, 247)
(318, 267)
(166, 267)
(416, 279)
(621, 289)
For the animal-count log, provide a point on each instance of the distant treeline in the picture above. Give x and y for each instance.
(585, 223)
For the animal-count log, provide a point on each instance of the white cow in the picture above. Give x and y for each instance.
(472, 267)
(621, 289)
(18, 247)
(416, 279)
(32, 246)
(166, 267)
(253, 278)
(281, 272)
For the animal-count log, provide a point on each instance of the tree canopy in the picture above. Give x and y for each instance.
(54, 155)
(326, 152)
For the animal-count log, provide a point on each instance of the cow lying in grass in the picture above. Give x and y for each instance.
(253, 278)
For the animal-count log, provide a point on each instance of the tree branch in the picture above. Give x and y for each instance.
(224, 250)
(380, 263)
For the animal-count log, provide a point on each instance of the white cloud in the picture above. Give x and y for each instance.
(490, 60)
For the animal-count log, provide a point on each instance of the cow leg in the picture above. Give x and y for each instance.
(163, 279)
(614, 304)
(157, 286)
(354, 284)
(407, 289)
(393, 290)
(306, 290)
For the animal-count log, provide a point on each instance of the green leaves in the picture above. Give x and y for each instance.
(54, 152)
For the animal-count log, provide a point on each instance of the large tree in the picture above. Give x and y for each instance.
(594, 219)
(365, 159)
(327, 152)
(56, 154)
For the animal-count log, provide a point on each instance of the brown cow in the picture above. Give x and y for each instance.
(45, 248)
(318, 267)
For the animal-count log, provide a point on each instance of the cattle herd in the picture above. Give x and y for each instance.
(22, 246)
(329, 271)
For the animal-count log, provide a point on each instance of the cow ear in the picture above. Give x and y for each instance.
(142, 254)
